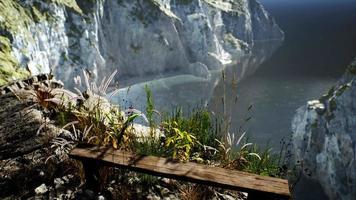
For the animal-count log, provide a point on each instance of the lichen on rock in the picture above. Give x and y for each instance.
(324, 136)
(22, 28)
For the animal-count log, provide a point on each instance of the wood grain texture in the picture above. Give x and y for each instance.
(192, 172)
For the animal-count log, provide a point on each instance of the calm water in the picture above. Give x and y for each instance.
(320, 42)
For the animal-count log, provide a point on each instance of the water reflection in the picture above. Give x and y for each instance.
(189, 91)
(274, 101)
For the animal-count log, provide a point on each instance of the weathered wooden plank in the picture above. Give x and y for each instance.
(192, 172)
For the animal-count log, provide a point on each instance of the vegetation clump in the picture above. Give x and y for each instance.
(197, 136)
(88, 117)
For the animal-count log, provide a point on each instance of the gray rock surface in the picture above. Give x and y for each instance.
(24, 150)
(42, 189)
(32, 166)
(143, 39)
(324, 138)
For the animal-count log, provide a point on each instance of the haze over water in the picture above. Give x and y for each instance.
(320, 41)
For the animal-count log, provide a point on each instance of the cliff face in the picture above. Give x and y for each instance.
(143, 39)
(324, 138)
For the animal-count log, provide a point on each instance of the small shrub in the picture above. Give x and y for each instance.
(266, 164)
(150, 110)
(233, 153)
(195, 192)
(180, 142)
(200, 123)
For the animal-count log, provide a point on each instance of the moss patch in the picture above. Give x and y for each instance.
(9, 67)
(72, 4)
(16, 15)
(15, 18)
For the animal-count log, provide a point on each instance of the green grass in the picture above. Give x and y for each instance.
(268, 165)
(199, 136)
(192, 135)
(199, 122)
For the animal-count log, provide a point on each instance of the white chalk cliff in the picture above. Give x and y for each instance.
(144, 39)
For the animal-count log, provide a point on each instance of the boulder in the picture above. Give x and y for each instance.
(324, 139)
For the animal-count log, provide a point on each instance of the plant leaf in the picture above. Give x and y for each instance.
(255, 154)
(246, 145)
(240, 138)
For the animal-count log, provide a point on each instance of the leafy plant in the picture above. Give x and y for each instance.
(267, 164)
(233, 157)
(121, 135)
(195, 192)
(65, 142)
(92, 87)
(108, 125)
(197, 135)
(200, 123)
(150, 110)
(150, 146)
(181, 143)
